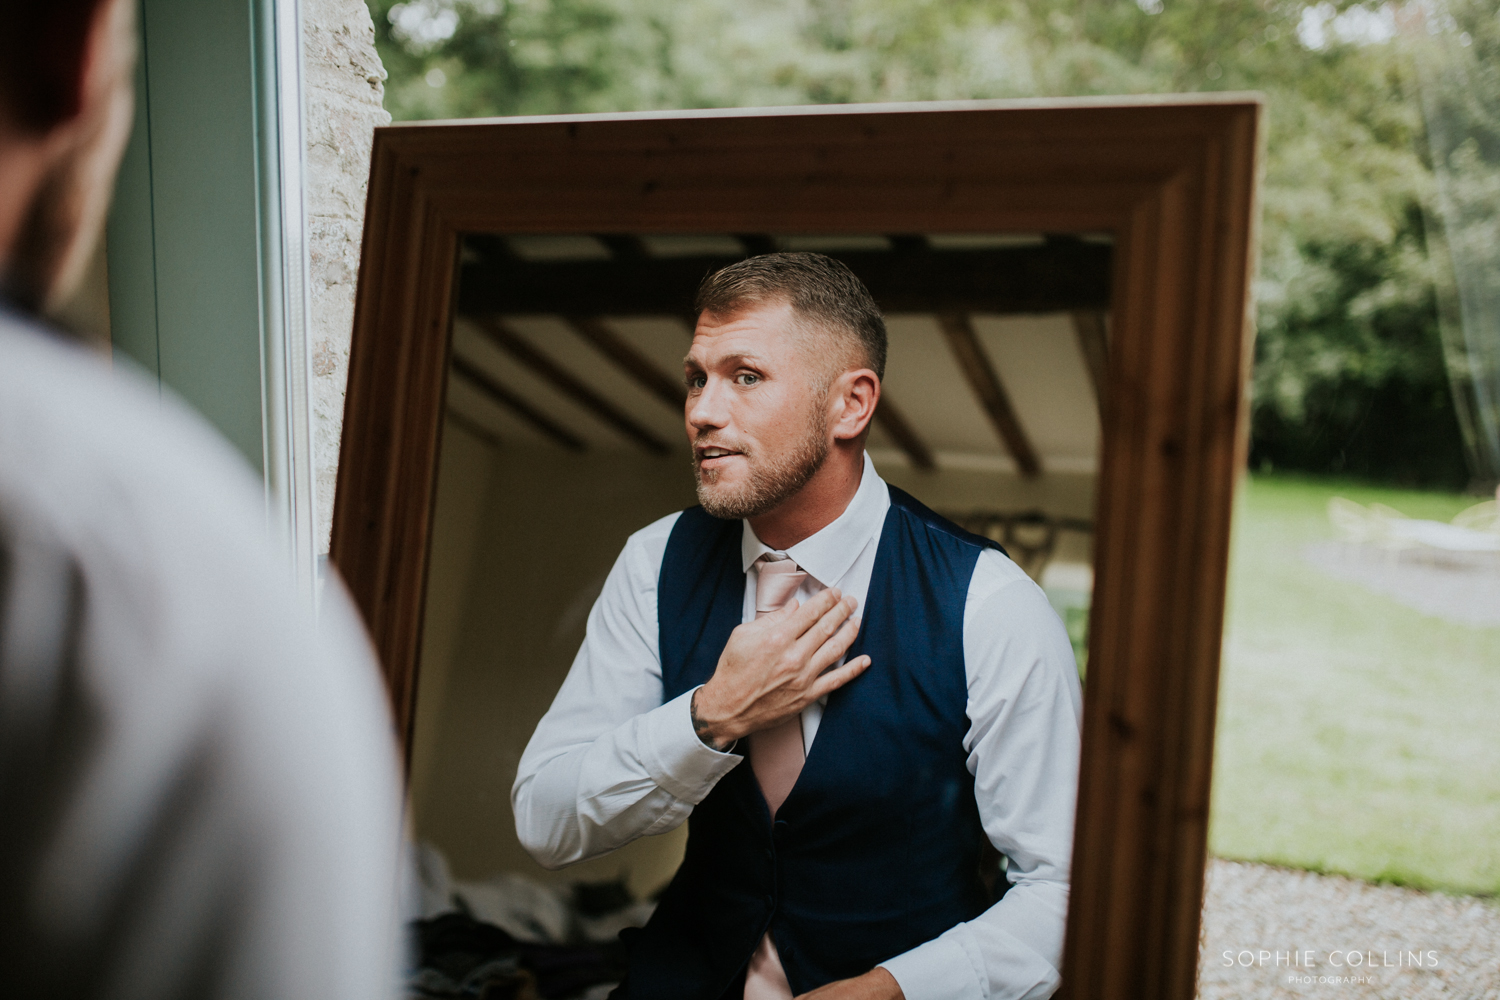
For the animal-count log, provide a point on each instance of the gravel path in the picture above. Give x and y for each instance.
(1405, 944)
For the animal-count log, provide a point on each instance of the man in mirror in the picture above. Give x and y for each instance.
(849, 698)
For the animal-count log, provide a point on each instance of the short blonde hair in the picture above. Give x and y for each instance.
(819, 289)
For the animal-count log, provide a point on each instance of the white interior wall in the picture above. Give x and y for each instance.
(463, 485)
(549, 526)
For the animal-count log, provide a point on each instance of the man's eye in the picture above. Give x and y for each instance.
(696, 381)
(747, 378)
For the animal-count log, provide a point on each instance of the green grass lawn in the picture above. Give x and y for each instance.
(1355, 735)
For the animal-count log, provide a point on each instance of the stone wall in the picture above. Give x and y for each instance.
(344, 84)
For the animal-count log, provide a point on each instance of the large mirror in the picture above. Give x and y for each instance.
(1064, 299)
(564, 434)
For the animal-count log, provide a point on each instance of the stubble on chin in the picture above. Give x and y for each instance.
(769, 482)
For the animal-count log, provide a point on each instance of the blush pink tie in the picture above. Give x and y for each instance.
(776, 756)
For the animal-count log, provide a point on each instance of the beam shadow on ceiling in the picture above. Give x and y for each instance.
(989, 391)
(565, 382)
(894, 423)
(629, 360)
(1094, 343)
(498, 393)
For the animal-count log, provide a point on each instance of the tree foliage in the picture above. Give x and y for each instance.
(1457, 52)
(1349, 369)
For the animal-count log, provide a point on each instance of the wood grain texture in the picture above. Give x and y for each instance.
(1173, 448)
(1173, 179)
(989, 391)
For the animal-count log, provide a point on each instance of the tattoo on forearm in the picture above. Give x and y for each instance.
(701, 728)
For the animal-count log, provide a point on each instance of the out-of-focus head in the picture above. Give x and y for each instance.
(66, 69)
(785, 367)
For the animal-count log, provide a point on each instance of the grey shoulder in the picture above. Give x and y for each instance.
(130, 480)
(69, 418)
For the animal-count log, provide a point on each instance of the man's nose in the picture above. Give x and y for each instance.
(708, 410)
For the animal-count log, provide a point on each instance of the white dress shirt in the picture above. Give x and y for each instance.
(199, 790)
(609, 762)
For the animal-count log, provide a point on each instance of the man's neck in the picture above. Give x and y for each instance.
(818, 504)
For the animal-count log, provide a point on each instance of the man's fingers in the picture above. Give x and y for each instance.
(825, 628)
(834, 647)
(835, 679)
(810, 613)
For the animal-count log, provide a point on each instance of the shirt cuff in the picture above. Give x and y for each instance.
(938, 970)
(677, 760)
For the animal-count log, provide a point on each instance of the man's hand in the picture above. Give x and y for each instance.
(773, 668)
(877, 984)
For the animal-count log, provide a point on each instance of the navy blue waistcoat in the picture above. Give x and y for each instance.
(876, 849)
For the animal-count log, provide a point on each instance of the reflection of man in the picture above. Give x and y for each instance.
(198, 791)
(845, 859)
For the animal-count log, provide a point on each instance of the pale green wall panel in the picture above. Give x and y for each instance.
(195, 144)
(132, 257)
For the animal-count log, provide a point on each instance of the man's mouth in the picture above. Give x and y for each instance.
(710, 458)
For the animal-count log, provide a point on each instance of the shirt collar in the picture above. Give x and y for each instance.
(828, 554)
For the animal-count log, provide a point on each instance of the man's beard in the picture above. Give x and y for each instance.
(771, 481)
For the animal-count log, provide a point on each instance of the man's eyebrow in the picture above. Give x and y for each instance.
(729, 359)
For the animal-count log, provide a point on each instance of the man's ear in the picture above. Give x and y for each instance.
(79, 154)
(855, 394)
(106, 68)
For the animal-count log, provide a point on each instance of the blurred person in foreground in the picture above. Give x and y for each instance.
(198, 792)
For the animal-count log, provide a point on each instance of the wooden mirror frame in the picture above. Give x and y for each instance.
(1174, 181)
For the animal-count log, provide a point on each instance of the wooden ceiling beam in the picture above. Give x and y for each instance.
(991, 394)
(630, 361)
(894, 423)
(565, 382)
(1055, 276)
(486, 383)
(1094, 343)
